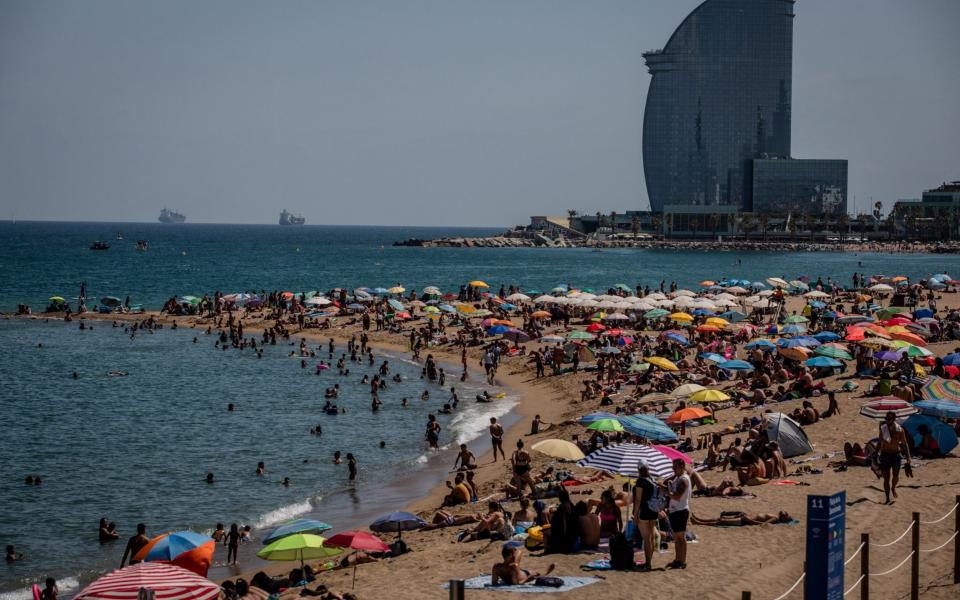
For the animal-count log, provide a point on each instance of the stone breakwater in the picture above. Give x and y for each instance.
(705, 245)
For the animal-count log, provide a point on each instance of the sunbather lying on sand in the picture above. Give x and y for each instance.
(444, 519)
(509, 572)
(739, 519)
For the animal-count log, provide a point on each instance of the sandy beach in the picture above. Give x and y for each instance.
(765, 559)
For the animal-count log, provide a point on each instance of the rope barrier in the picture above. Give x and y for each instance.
(854, 555)
(940, 547)
(941, 518)
(854, 586)
(903, 562)
(902, 535)
(792, 587)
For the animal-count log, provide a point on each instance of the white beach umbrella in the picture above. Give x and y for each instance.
(623, 459)
(687, 293)
(517, 298)
(777, 282)
(683, 301)
(816, 294)
(766, 293)
(617, 317)
(762, 304)
(544, 299)
(737, 290)
(607, 304)
(655, 296)
(880, 287)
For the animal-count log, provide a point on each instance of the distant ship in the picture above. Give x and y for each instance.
(99, 246)
(287, 218)
(171, 216)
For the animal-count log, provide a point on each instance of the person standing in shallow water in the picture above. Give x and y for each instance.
(352, 466)
(496, 438)
(134, 544)
(233, 542)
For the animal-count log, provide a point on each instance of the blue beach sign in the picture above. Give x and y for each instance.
(825, 546)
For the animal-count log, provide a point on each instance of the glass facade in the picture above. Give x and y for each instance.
(719, 96)
(782, 186)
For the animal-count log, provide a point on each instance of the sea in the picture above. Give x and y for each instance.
(135, 448)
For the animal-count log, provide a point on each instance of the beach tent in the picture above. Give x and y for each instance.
(788, 434)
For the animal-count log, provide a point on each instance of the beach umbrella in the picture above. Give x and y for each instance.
(888, 355)
(433, 310)
(826, 336)
(833, 352)
(878, 409)
(709, 396)
(299, 546)
(939, 408)
(923, 313)
(681, 316)
(734, 316)
(793, 329)
(663, 363)
(518, 297)
(185, 549)
(397, 289)
(296, 526)
(595, 327)
(687, 389)
(787, 433)
(605, 425)
(579, 335)
(478, 284)
(765, 345)
(395, 304)
(816, 294)
(676, 337)
(672, 453)
(655, 397)
(717, 322)
(639, 368)
(777, 282)
(944, 435)
(800, 342)
(913, 338)
(798, 353)
(111, 301)
(707, 328)
(736, 365)
(823, 362)
(623, 459)
(166, 582)
(497, 330)
(360, 541)
(559, 449)
(938, 388)
(793, 319)
(687, 414)
(596, 416)
(911, 350)
(551, 339)
(541, 314)
(609, 350)
(516, 336)
(713, 357)
(647, 427)
(56, 299)
(396, 522)
(952, 359)
(656, 313)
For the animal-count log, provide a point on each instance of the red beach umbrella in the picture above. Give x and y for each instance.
(166, 581)
(357, 540)
(595, 328)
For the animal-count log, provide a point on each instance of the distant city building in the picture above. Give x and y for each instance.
(936, 213)
(720, 98)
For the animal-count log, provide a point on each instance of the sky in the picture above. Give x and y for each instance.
(442, 112)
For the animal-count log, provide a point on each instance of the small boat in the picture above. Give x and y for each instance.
(99, 246)
(142, 245)
(119, 236)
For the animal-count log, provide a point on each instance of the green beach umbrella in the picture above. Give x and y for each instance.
(833, 352)
(623, 287)
(655, 313)
(639, 368)
(793, 319)
(579, 335)
(300, 546)
(606, 425)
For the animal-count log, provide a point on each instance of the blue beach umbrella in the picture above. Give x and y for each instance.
(823, 362)
(944, 435)
(380, 291)
(609, 350)
(447, 308)
(395, 304)
(736, 365)
(939, 408)
(702, 312)
(825, 337)
(952, 359)
(173, 545)
(765, 345)
(396, 522)
(647, 427)
(497, 330)
(676, 337)
(923, 313)
(297, 526)
(793, 330)
(734, 316)
(713, 357)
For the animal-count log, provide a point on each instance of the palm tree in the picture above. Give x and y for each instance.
(635, 226)
(843, 224)
(657, 223)
(715, 223)
(764, 225)
(747, 224)
(891, 223)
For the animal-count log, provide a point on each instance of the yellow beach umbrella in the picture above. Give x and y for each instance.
(466, 308)
(718, 322)
(709, 396)
(897, 329)
(478, 283)
(397, 289)
(57, 299)
(560, 449)
(431, 309)
(659, 361)
(797, 353)
(681, 316)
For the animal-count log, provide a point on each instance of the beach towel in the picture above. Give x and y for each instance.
(482, 582)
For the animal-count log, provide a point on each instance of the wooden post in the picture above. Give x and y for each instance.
(745, 596)
(865, 566)
(956, 542)
(915, 559)
(456, 589)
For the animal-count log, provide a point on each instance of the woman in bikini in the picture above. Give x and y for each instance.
(521, 467)
(509, 572)
(611, 518)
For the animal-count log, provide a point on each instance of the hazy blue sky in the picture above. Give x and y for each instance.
(421, 112)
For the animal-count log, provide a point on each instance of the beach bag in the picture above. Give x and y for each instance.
(534, 539)
(657, 501)
(548, 581)
(630, 532)
(621, 554)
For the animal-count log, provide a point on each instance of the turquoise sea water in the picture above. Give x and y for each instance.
(136, 448)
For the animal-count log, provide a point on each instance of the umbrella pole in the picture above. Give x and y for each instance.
(353, 585)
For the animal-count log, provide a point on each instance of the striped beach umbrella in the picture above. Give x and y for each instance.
(878, 409)
(939, 388)
(596, 416)
(623, 459)
(647, 427)
(167, 582)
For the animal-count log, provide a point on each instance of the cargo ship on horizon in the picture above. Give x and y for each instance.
(287, 218)
(171, 216)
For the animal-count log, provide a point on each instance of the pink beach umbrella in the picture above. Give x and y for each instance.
(672, 453)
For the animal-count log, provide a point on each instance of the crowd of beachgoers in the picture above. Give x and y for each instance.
(652, 410)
